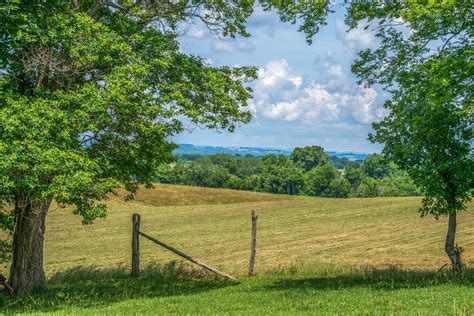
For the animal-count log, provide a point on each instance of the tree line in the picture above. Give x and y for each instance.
(307, 171)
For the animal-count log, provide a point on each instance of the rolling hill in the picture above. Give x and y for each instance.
(214, 225)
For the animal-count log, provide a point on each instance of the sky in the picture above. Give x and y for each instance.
(304, 95)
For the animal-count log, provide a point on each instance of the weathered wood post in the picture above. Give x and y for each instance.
(135, 246)
(253, 250)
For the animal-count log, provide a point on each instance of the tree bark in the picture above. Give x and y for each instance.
(450, 244)
(26, 272)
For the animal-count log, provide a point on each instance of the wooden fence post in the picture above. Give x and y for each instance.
(253, 250)
(135, 246)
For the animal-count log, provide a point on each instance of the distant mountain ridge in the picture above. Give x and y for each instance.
(189, 149)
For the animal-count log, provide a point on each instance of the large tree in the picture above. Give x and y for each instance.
(91, 92)
(424, 59)
(426, 51)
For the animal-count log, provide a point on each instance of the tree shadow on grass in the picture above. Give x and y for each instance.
(389, 279)
(88, 287)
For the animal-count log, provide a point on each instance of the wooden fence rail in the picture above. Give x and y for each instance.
(136, 251)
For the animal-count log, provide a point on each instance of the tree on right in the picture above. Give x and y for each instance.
(425, 61)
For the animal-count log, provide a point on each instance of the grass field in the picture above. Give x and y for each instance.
(314, 255)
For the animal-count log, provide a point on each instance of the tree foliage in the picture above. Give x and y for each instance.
(424, 60)
(280, 175)
(428, 71)
(309, 157)
(318, 180)
(91, 94)
(375, 166)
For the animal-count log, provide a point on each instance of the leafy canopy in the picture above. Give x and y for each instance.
(426, 49)
(309, 157)
(424, 60)
(91, 92)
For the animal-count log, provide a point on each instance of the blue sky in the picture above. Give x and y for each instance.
(304, 95)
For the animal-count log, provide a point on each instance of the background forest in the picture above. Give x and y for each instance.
(307, 171)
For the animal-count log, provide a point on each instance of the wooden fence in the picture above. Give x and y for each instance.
(136, 233)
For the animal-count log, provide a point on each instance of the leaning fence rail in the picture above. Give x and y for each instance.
(136, 251)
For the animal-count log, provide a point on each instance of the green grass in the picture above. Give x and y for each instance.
(314, 255)
(174, 289)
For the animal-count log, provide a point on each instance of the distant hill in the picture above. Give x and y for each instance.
(254, 151)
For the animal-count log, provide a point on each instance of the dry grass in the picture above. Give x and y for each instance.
(214, 225)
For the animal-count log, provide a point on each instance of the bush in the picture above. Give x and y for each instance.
(235, 183)
(397, 184)
(339, 188)
(367, 188)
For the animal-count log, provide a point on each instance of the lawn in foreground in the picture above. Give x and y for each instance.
(173, 289)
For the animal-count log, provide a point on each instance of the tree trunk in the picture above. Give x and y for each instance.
(26, 272)
(450, 244)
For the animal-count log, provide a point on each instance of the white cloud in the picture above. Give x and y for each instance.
(279, 94)
(356, 39)
(275, 72)
(297, 81)
(335, 71)
(195, 32)
(230, 46)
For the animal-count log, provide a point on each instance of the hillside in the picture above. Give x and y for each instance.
(214, 225)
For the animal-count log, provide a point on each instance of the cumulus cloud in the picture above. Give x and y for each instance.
(195, 31)
(232, 46)
(356, 39)
(279, 94)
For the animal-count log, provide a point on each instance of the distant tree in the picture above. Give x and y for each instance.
(203, 172)
(280, 175)
(339, 163)
(235, 183)
(309, 157)
(248, 166)
(252, 183)
(367, 188)
(318, 180)
(398, 183)
(376, 166)
(166, 174)
(189, 157)
(354, 175)
(227, 161)
(339, 188)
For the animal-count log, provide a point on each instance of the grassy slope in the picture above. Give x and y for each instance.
(214, 225)
(313, 241)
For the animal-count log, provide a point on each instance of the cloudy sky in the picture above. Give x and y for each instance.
(304, 95)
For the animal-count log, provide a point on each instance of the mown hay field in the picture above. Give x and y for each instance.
(214, 225)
